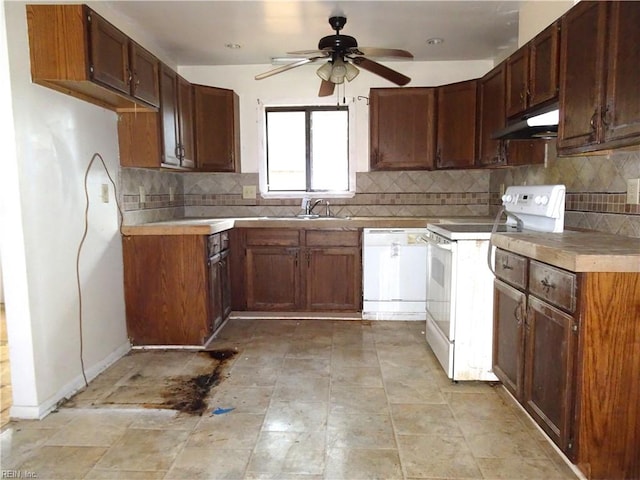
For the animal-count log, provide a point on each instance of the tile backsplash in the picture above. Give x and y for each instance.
(596, 193)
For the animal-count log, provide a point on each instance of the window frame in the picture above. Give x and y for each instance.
(308, 107)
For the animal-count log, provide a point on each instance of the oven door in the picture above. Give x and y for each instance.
(441, 281)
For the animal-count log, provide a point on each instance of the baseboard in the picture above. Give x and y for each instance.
(42, 410)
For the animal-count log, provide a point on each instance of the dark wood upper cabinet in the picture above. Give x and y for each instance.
(581, 74)
(109, 54)
(491, 116)
(145, 75)
(217, 129)
(402, 128)
(599, 95)
(456, 141)
(77, 52)
(621, 114)
(176, 120)
(532, 73)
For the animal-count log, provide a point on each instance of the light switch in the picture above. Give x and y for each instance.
(633, 191)
(248, 192)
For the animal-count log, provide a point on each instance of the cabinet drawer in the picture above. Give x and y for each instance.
(512, 268)
(553, 285)
(213, 244)
(272, 237)
(329, 238)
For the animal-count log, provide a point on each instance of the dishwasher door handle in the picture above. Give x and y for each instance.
(441, 246)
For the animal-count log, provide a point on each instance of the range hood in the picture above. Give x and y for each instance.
(541, 125)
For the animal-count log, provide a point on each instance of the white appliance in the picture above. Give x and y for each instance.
(394, 274)
(459, 326)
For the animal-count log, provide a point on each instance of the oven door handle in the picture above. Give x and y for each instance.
(442, 246)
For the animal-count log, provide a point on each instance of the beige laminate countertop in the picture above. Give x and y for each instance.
(206, 226)
(575, 251)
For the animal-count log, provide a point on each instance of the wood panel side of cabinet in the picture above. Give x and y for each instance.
(165, 281)
(608, 387)
(58, 42)
(139, 139)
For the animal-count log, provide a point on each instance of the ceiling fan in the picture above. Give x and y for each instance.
(344, 54)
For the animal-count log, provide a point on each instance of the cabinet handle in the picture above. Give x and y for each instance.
(176, 151)
(130, 76)
(546, 284)
(517, 312)
(605, 116)
(506, 266)
(592, 121)
(438, 156)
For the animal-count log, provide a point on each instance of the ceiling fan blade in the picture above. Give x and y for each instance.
(310, 52)
(379, 69)
(326, 89)
(286, 67)
(384, 52)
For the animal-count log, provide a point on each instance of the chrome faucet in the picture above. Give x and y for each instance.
(308, 206)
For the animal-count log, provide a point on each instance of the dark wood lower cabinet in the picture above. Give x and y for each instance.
(176, 288)
(300, 270)
(508, 340)
(549, 377)
(573, 360)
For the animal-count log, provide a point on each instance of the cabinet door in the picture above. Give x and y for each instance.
(517, 72)
(215, 316)
(491, 108)
(333, 279)
(544, 57)
(457, 125)
(185, 124)
(272, 278)
(621, 114)
(145, 71)
(549, 370)
(581, 75)
(402, 128)
(509, 310)
(109, 55)
(217, 129)
(169, 116)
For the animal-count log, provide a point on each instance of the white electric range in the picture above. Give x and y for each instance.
(459, 326)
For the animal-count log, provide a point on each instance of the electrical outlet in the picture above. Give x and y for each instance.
(633, 191)
(143, 195)
(172, 194)
(104, 193)
(248, 192)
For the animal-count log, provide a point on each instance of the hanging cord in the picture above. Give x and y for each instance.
(494, 229)
(84, 236)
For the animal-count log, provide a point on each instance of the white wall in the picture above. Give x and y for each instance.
(535, 16)
(43, 221)
(301, 84)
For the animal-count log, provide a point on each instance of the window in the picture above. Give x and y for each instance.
(307, 149)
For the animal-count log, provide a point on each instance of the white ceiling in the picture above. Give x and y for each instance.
(196, 32)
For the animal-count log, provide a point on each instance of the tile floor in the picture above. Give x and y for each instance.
(313, 399)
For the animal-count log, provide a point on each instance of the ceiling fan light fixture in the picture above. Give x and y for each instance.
(339, 71)
(352, 71)
(324, 72)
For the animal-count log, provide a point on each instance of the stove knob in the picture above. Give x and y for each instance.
(541, 200)
(507, 198)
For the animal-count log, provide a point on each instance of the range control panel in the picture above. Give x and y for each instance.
(538, 207)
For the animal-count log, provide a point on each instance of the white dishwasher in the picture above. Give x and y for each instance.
(394, 270)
